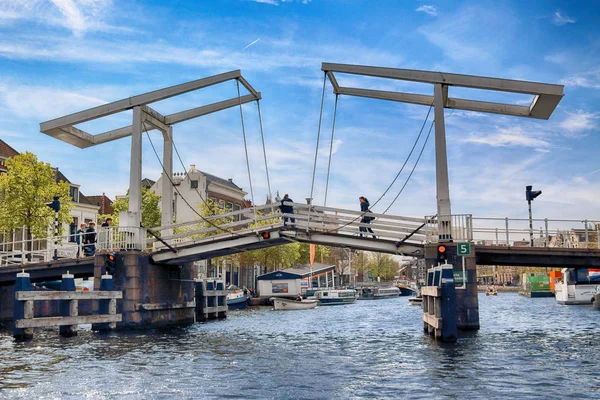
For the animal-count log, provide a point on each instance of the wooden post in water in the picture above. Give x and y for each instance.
(68, 308)
(22, 309)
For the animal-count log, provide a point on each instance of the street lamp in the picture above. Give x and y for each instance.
(530, 195)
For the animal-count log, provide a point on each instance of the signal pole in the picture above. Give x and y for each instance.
(55, 205)
(530, 195)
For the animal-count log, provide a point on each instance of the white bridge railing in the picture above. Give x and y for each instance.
(563, 233)
(21, 250)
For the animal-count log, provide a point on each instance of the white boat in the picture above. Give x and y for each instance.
(376, 293)
(577, 286)
(415, 301)
(289, 304)
(333, 297)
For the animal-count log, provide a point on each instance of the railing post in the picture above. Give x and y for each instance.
(547, 236)
(497, 242)
(507, 234)
(586, 234)
(22, 309)
(68, 308)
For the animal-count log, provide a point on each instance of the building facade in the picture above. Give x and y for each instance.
(192, 188)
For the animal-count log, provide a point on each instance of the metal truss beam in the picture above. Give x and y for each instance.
(545, 100)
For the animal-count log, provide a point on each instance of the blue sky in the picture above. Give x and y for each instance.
(61, 56)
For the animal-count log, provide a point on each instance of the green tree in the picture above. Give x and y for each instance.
(150, 209)
(24, 191)
(383, 266)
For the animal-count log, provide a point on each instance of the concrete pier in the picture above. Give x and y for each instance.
(153, 295)
(467, 304)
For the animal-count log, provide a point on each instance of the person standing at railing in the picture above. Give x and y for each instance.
(287, 209)
(80, 237)
(90, 240)
(364, 207)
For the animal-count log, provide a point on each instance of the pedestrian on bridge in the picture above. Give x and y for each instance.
(90, 240)
(80, 237)
(364, 207)
(287, 209)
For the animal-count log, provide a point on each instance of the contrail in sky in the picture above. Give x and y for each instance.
(256, 41)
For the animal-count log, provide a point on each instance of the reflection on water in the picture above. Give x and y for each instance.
(527, 348)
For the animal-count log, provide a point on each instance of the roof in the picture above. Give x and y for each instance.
(278, 276)
(221, 181)
(103, 202)
(147, 183)
(7, 151)
(59, 176)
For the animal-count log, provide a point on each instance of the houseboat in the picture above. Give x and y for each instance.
(331, 297)
(377, 293)
(577, 286)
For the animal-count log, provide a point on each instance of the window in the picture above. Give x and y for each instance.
(74, 193)
(194, 184)
(73, 229)
(221, 204)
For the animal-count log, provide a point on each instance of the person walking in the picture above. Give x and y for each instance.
(364, 207)
(90, 240)
(287, 209)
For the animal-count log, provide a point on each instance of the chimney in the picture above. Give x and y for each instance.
(230, 180)
(308, 200)
(192, 167)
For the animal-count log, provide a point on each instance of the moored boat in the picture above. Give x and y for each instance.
(415, 301)
(377, 293)
(578, 286)
(289, 304)
(332, 297)
(236, 298)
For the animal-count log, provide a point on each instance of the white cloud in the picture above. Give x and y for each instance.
(579, 121)
(79, 16)
(427, 9)
(589, 79)
(558, 19)
(510, 137)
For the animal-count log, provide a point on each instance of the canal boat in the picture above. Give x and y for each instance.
(415, 301)
(333, 297)
(236, 298)
(289, 304)
(577, 286)
(378, 293)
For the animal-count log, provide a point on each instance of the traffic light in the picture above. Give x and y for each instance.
(110, 261)
(441, 253)
(531, 194)
(55, 204)
(266, 235)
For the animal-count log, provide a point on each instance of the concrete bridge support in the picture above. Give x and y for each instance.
(153, 295)
(467, 305)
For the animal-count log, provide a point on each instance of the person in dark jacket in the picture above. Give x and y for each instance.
(364, 207)
(287, 209)
(90, 240)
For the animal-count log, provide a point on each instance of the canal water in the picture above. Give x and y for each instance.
(526, 348)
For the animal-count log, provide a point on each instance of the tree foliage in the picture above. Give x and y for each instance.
(151, 216)
(382, 265)
(24, 191)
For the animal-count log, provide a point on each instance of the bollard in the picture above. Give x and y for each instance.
(22, 309)
(106, 306)
(448, 304)
(68, 308)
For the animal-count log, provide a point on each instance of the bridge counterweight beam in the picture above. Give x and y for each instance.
(441, 162)
(135, 176)
(167, 190)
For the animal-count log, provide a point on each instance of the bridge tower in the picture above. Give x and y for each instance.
(153, 294)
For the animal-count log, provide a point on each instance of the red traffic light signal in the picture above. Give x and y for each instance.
(266, 235)
(441, 253)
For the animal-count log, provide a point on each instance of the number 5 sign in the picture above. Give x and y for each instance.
(463, 249)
